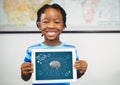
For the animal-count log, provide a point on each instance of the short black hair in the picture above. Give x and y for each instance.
(55, 6)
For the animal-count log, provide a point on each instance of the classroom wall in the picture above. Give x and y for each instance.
(100, 50)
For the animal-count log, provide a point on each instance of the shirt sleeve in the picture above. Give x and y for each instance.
(77, 58)
(28, 56)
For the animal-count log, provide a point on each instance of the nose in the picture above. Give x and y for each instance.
(51, 25)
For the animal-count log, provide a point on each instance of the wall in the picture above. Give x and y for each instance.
(101, 51)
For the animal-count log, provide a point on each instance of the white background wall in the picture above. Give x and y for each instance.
(101, 51)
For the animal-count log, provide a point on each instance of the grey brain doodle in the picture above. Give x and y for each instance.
(55, 64)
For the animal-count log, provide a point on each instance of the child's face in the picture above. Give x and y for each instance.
(51, 24)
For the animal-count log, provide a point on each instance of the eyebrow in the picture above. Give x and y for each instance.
(53, 19)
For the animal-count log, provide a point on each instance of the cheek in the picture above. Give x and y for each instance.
(62, 28)
(40, 27)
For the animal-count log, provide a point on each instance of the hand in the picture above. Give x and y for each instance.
(27, 68)
(81, 66)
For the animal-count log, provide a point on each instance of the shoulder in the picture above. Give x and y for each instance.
(35, 46)
(68, 45)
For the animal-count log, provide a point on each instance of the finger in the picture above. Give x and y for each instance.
(27, 70)
(80, 66)
(24, 65)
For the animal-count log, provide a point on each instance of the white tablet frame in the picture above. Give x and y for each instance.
(57, 80)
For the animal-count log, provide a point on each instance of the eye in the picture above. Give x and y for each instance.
(45, 22)
(57, 22)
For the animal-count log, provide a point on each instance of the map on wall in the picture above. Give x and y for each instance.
(21, 14)
(94, 13)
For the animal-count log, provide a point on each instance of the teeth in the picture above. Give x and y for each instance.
(51, 33)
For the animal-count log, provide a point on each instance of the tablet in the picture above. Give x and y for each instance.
(54, 65)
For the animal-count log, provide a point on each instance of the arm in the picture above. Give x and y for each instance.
(26, 71)
(79, 74)
(81, 67)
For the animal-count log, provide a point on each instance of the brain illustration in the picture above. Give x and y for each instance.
(55, 64)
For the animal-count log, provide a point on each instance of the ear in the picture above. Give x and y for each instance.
(64, 27)
(39, 25)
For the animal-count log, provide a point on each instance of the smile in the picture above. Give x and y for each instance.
(51, 33)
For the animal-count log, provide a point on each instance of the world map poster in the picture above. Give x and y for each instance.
(81, 14)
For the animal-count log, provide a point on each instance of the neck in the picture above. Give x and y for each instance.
(52, 42)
